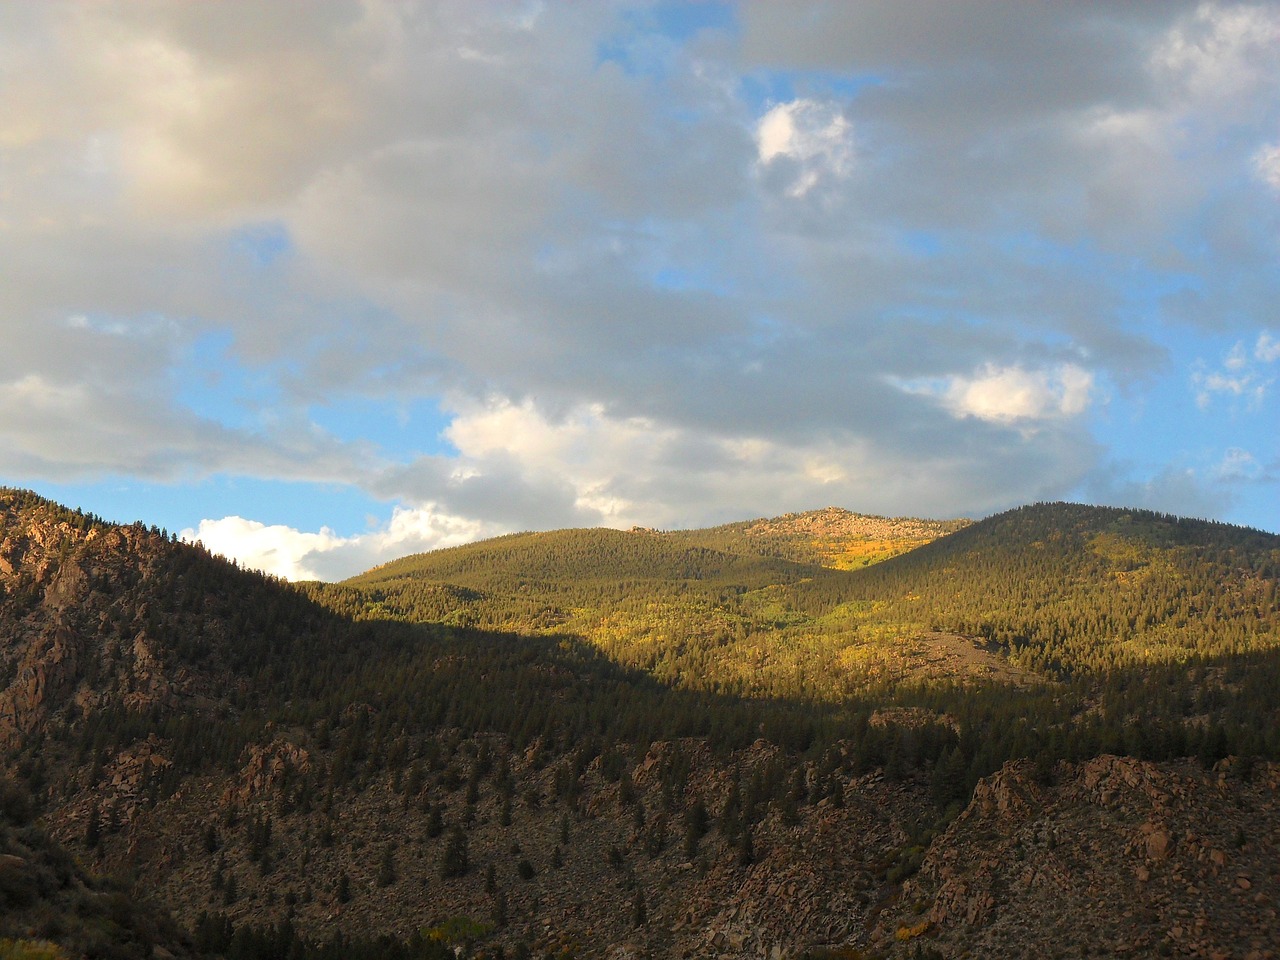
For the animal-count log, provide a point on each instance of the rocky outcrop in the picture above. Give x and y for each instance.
(1163, 859)
(77, 634)
(836, 522)
(45, 674)
(267, 770)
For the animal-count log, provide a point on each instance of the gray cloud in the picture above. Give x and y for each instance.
(1170, 490)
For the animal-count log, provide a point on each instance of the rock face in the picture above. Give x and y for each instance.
(837, 522)
(1117, 858)
(73, 638)
(46, 670)
(813, 877)
(266, 771)
(1120, 856)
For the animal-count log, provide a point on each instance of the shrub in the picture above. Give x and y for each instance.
(387, 869)
(30, 950)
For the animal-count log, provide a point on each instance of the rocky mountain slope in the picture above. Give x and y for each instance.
(1115, 857)
(256, 755)
(51, 908)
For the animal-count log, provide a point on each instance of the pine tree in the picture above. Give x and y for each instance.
(746, 850)
(387, 869)
(435, 821)
(93, 829)
(454, 863)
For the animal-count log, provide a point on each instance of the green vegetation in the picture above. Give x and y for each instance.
(216, 935)
(1067, 589)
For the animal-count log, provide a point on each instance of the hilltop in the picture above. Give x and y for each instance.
(634, 743)
(830, 537)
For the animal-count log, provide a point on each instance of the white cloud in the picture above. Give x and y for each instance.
(1238, 464)
(1012, 394)
(1221, 53)
(1208, 384)
(622, 471)
(814, 136)
(1006, 394)
(297, 555)
(1266, 163)
(1239, 376)
(586, 448)
(1267, 349)
(279, 550)
(581, 257)
(1237, 358)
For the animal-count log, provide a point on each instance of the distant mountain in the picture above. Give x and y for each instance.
(746, 552)
(1065, 587)
(831, 537)
(626, 744)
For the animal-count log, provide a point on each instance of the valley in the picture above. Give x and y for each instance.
(821, 734)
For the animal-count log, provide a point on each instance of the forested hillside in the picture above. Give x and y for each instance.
(649, 736)
(1095, 627)
(1067, 588)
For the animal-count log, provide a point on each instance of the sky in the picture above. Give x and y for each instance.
(323, 284)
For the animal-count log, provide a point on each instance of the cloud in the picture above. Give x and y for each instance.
(1245, 386)
(1238, 465)
(1266, 163)
(1074, 126)
(278, 550)
(1267, 349)
(1172, 489)
(1220, 53)
(66, 431)
(812, 141)
(1213, 485)
(1012, 394)
(650, 279)
(518, 468)
(1239, 377)
(621, 471)
(296, 555)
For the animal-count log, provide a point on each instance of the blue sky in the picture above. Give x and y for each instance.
(329, 284)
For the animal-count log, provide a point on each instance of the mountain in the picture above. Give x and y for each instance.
(703, 743)
(1080, 614)
(831, 537)
(1071, 587)
(688, 607)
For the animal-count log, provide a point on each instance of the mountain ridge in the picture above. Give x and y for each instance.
(658, 765)
(794, 533)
